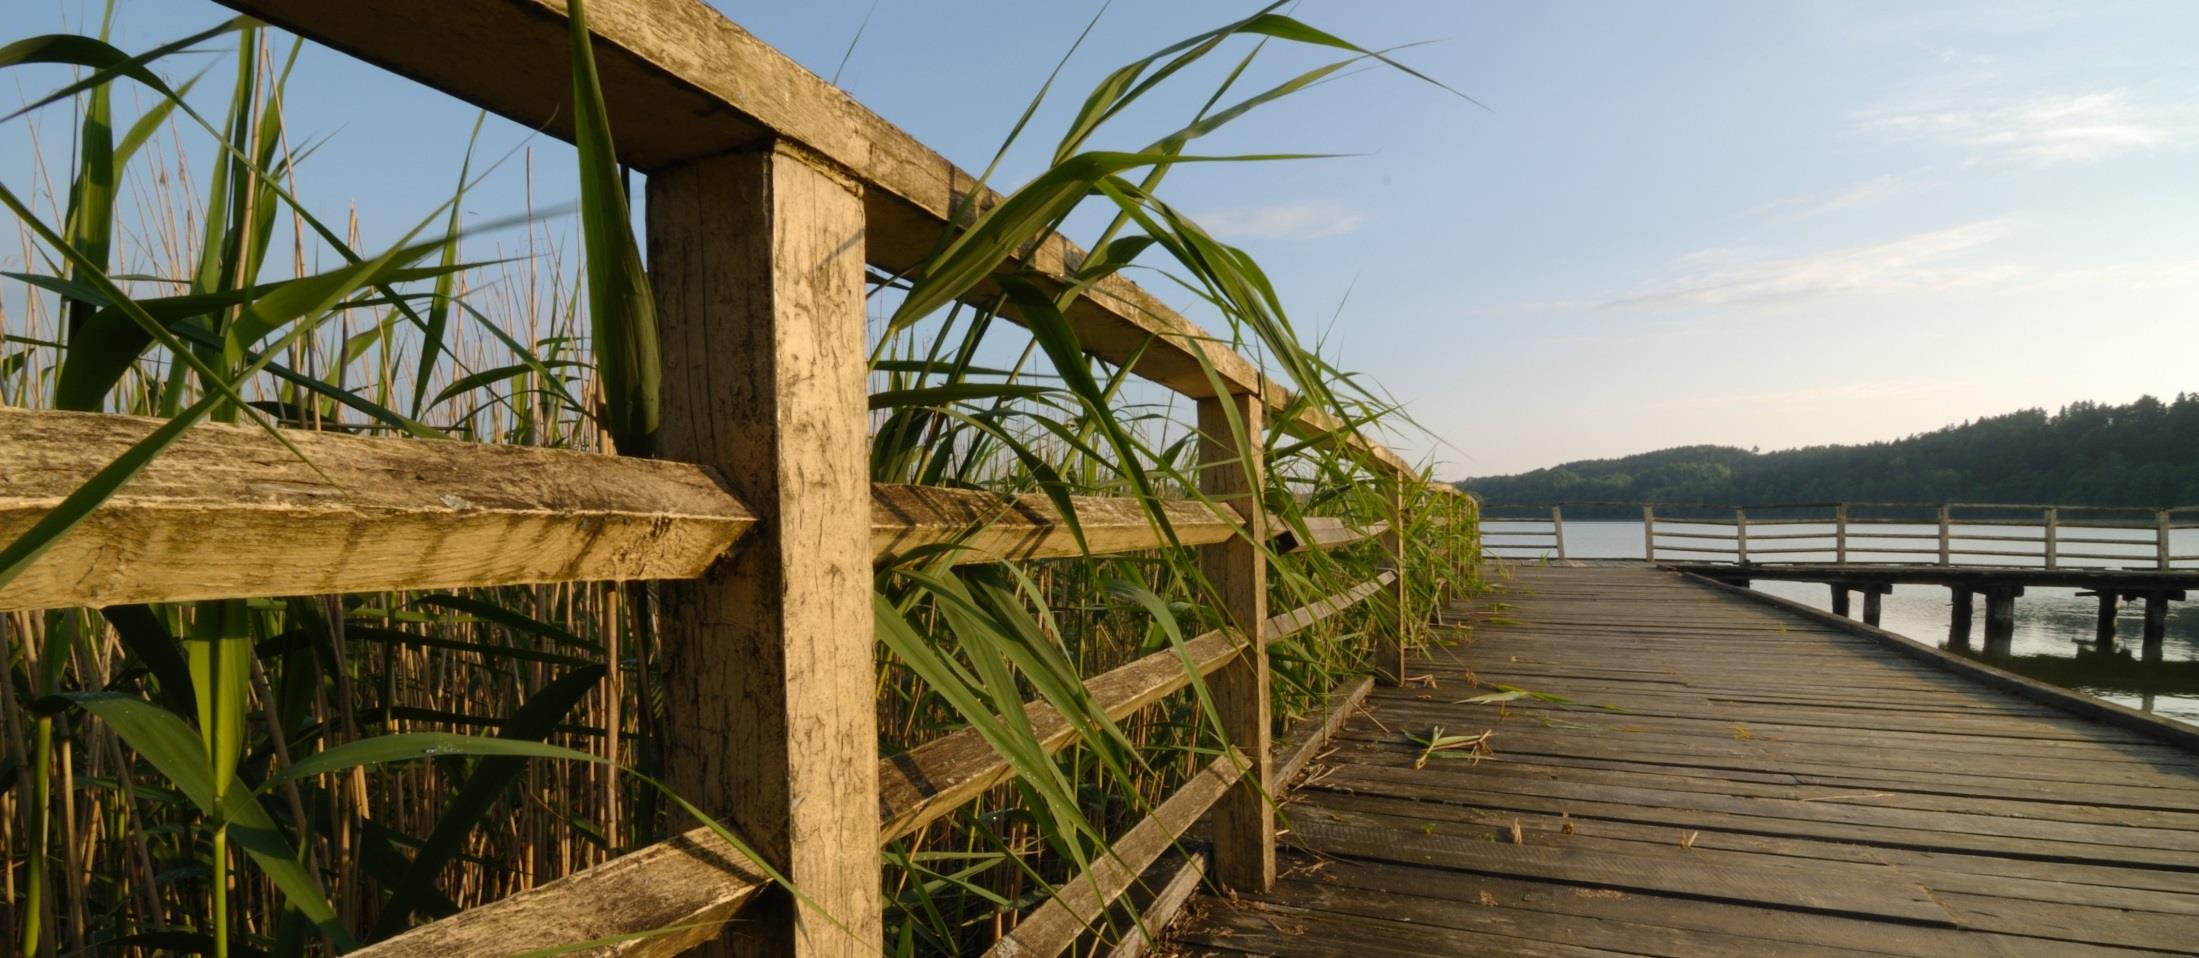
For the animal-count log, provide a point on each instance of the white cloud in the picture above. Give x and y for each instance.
(2037, 131)
(1870, 192)
(1921, 262)
(1285, 221)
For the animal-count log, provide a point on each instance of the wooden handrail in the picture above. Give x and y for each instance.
(357, 514)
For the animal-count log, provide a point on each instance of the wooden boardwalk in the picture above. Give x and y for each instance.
(1729, 778)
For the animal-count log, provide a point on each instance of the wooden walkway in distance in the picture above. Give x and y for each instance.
(1730, 778)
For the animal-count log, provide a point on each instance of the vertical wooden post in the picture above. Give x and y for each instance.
(1946, 553)
(1649, 532)
(1741, 535)
(757, 263)
(2103, 627)
(1840, 534)
(2053, 535)
(2156, 627)
(1389, 666)
(1958, 617)
(1873, 596)
(1840, 599)
(1557, 530)
(1244, 820)
(2000, 617)
(2160, 539)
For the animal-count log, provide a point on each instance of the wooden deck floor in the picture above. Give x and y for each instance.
(1731, 779)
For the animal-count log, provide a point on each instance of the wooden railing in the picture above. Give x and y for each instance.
(1866, 533)
(769, 192)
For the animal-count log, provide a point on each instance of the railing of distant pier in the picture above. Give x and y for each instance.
(760, 176)
(1862, 533)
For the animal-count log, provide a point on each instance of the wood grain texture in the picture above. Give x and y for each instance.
(380, 513)
(984, 527)
(768, 659)
(681, 82)
(1326, 533)
(686, 889)
(1232, 472)
(1054, 925)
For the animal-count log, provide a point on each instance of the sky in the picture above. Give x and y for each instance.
(1748, 223)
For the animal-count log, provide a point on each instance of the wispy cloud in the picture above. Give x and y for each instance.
(2036, 131)
(1870, 192)
(1921, 262)
(1285, 221)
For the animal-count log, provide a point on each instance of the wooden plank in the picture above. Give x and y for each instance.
(662, 900)
(1323, 533)
(1302, 618)
(1232, 472)
(768, 659)
(916, 787)
(1054, 925)
(1307, 736)
(358, 514)
(1182, 876)
(979, 526)
(681, 83)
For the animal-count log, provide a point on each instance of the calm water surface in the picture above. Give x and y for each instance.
(2054, 627)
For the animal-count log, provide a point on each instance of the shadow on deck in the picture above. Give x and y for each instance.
(1721, 777)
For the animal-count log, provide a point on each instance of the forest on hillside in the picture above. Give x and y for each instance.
(2145, 453)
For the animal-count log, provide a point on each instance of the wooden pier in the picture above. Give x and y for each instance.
(1723, 775)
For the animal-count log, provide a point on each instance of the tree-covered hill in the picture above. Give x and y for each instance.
(2142, 454)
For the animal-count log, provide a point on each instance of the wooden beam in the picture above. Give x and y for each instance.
(228, 512)
(1305, 616)
(1055, 924)
(661, 900)
(768, 660)
(1324, 533)
(1232, 471)
(918, 786)
(981, 526)
(682, 82)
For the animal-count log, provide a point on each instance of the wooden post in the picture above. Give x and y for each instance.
(756, 259)
(2053, 535)
(1649, 532)
(1840, 599)
(2160, 539)
(1946, 550)
(1389, 666)
(1958, 617)
(2156, 627)
(1840, 534)
(2103, 631)
(1557, 530)
(1741, 536)
(2000, 617)
(1244, 819)
(1872, 594)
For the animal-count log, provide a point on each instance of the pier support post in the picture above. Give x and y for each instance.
(1872, 594)
(2103, 630)
(2000, 617)
(1244, 820)
(2156, 624)
(1840, 599)
(1958, 617)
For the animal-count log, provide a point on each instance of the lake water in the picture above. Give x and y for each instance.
(2054, 627)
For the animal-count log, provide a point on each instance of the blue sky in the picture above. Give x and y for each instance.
(1762, 224)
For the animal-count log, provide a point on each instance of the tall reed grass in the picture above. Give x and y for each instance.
(233, 777)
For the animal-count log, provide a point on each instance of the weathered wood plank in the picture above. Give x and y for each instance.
(977, 526)
(1327, 533)
(662, 900)
(1053, 926)
(768, 660)
(358, 514)
(682, 82)
(1233, 473)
